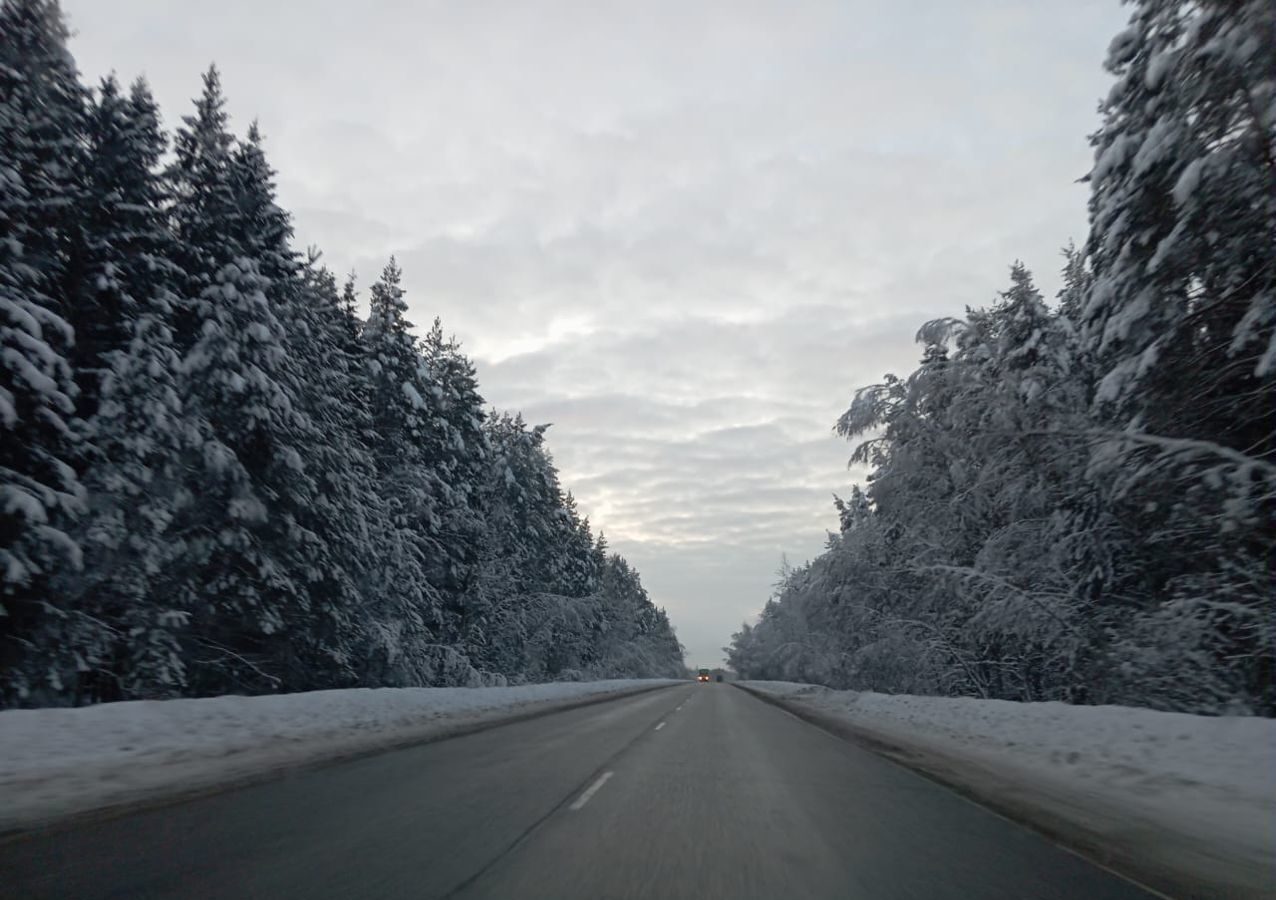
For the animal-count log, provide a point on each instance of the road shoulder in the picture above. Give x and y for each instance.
(1149, 852)
(156, 761)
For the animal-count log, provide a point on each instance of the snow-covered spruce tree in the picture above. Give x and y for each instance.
(514, 499)
(636, 639)
(926, 499)
(565, 615)
(203, 201)
(540, 526)
(554, 603)
(124, 626)
(352, 326)
(392, 577)
(249, 558)
(1183, 211)
(1181, 319)
(578, 566)
(370, 576)
(391, 355)
(1022, 404)
(457, 451)
(1076, 288)
(42, 110)
(265, 228)
(402, 400)
(127, 242)
(346, 516)
(120, 636)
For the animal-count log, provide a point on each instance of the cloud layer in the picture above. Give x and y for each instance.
(683, 233)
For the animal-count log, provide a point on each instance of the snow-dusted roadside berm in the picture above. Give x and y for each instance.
(60, 762)
(1184, 802)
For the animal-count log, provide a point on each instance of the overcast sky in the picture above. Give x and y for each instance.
(682, 232)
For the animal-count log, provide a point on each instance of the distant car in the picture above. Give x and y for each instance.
(704, 675)
(717, 677)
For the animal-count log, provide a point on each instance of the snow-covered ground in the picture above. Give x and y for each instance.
(58, 762)
(1184, 801)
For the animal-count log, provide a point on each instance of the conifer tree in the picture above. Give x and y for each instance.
(121, 636)
(1181, 320)
(42, 108)
(1182, 313)
(401, 398)
(249, 559)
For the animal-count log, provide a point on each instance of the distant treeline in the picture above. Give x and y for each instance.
(1078, 502)
(214, 476)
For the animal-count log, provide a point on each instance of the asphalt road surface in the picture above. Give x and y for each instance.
(699, 792)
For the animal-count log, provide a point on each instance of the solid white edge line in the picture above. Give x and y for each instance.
(591, 790)
(660, 726)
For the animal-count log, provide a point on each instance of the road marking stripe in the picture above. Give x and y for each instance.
(660, 726)
(591, 790)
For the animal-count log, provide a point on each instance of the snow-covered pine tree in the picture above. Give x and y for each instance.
(391, 355)
(1025, 409)
(390, 575)
(509, 497)
(574, 546)
(120, 637)
(1181, 319)
(42, 109)
(901, 615)
(331, 390)
(457, 450)
(1183, 211)
(1076, 286)
(403, 400)
(203, 192)
(348, 513)
(352, 325)
(250, 559)
(637, 640)
(266, 228)
(975, 454)
(524, 510)
(125, 628)
(128, 247)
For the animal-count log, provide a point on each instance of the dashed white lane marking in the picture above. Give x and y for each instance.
(660, 726)
(591, 790)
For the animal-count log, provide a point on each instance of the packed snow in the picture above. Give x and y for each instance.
(58, 762)
(1193, 796)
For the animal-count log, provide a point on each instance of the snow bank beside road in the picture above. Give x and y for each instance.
(1183, 802)
(58, 762)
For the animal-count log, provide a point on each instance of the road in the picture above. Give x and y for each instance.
(697, 791)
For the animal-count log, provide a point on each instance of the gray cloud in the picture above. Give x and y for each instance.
(684, 233)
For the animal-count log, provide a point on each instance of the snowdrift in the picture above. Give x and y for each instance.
(61, 762)
(1183, 803)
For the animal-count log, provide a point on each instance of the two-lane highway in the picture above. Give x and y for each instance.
(700, 792)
